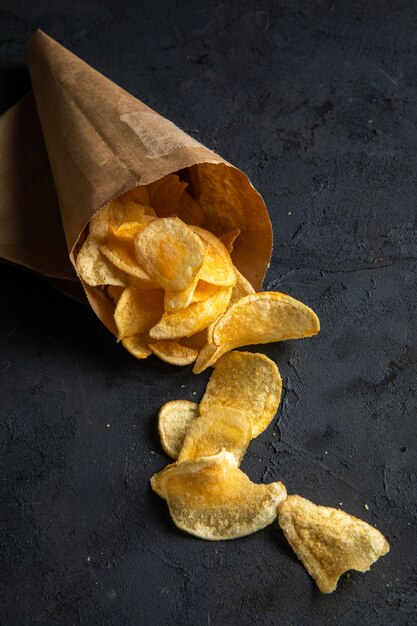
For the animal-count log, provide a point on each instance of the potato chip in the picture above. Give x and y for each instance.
(137, 345)
(192, 319)
(174, 420)
(222, 428)
(229, 238)
(115, 293)
(196, 341)
(114, 213)
(165, 195)
(241, 289)
(120, 250)
(245, 382)
(95, 269)
(213, 499)
(203, 290)
(207, 356)
(138, 310)
(170, 252)
(173, 352)
(139, 194)
(189, 211)
(329, 542)
(177, 300)
(217, 268)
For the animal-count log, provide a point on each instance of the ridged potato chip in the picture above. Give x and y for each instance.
(173, 352)
(95, 269)
(138, 345)
(229, 238)
(194, 318)
(217, 268)
(329, 542)
(221, 428)
(213, 499)
(245, 382)
(170, 252)
(137, 311)
(174, 420)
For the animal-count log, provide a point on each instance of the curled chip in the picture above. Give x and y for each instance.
(245, 382)
(174, 420)
(120, 250)
(218, 429)
(217, 268)
(138, 345)
(170, 252)
(194, 318)
(242, 288)
(213, 499)
(173, 352)
(329, 542)
(177, 300)
(203, 290)
(138, 310)
(95, 269)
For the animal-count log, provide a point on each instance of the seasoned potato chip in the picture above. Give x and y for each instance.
(192, 319)
(138, 345)
(177, 300)
(165, 195)
(229, 238)
(174, 420)
(189, 211)
(120, 250)
(170, 252)
(217, 268)
(328, 541)
(139, 194)
(213, 499)
(246, 382)
(203, 290)
(222, 428)
(207, 356)
(173, 352)
(241, 289)
(196, 341)
(95, 269)
(138, 310)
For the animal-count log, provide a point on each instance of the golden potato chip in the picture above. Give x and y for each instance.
(203, 290)
(120, 250)
(177, 300)
(222, 428)
(138, 310)
(115, 293)
(174, 420)
(217, 268)
(189, 211)
(246, 382)
(213, 499)
(173, 352)
(139, 194)
(241, 289)
(196, 341)
(95, 269)
(165, 195)
(114, 213)
(170, 252)
(138, 345)
(207, 356)
(229, 238)
(194, 318)
(329, 542)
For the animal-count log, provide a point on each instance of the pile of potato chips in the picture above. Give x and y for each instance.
(177, 294)
(175, 289)
(210, 497)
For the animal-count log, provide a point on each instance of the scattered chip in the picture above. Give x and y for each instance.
(213, 499)
(173, 352)
(228, 239)
(138, 310)
(217, 268)
(194, 318)
(245, 382)
(221, 428)
(174, 420)
(329, 542)
(95, 269)
(170, 252)
(138, 345)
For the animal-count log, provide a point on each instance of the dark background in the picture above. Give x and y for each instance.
(317, 102)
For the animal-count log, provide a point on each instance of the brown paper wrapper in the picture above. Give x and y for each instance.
(102, 142)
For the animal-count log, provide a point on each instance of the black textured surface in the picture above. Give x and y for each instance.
(317, 102)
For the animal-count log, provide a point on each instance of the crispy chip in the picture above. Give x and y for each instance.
(217, 268)
(115, 213)
(177, 300)
(165, 195)
(138, 310)
(95, 269)
(173, 352)
(170, 253)
(192, 319)
(189, 211)
(222, 428)
(241, 289)
(229, 238)
(207, 356)
(120, 250)
(203, 290)
(139, 194)
(138, 345)
(174, 420)
(213, 499)
(196, 341)
(246, 382)
(328, 541)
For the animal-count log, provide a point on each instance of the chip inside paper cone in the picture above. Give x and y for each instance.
(329, 542)
(213, 499)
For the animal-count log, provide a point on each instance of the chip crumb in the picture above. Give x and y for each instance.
(366, 507)
(108, 425)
